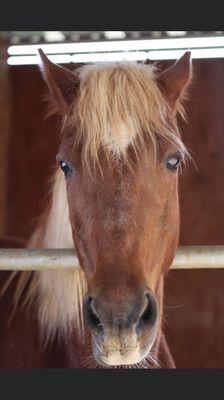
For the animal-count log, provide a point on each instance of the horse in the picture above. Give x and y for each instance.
(114, 202)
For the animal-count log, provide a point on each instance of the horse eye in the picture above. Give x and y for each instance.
(173, 162)
(65, 167)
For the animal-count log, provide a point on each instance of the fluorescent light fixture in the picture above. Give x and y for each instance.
(154, 49)
(110, 57)
(176, 33)
(54, 36)
(32, 60)
(119, 45)
(114, 34)
(118, 56)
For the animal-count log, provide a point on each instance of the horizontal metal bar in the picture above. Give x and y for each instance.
(187, 257)
(199, 257)
(38, 259)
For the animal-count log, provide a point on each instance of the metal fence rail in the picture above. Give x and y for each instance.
(187, 257)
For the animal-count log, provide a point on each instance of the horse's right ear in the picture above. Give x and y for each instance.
(175, 80)
(62, 83)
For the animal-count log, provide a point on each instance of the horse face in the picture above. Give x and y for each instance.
(125, 226)
(125, 215)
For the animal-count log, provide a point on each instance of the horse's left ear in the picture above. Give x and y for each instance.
(62, 83)
(174, 80)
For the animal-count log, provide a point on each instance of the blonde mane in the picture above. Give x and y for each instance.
(59, 294)
(116, 105)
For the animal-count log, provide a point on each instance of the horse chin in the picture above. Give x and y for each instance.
(116, 359)
(123, 359)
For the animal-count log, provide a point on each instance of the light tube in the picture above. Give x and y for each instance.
(119, 45)
(117, 56)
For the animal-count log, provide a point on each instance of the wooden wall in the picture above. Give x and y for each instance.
(194, 301)
(33, 149)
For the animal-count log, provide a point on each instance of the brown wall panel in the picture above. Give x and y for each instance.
(193, 317)
(202, 190)
(32, 150)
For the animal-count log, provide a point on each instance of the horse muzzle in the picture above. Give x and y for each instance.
(123, 332)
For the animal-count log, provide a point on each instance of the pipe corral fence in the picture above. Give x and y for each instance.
(187, 257)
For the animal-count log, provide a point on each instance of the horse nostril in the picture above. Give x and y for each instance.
(149, 314)
(91, 315)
